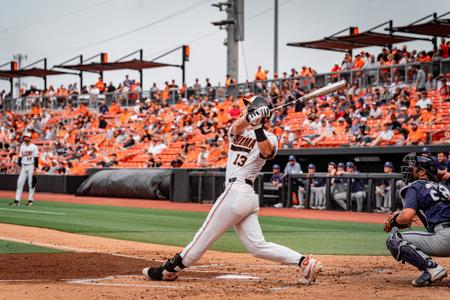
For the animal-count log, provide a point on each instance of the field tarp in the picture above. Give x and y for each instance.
(128, 183)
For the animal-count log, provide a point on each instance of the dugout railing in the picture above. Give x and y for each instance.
(205, 186)
(370, 181)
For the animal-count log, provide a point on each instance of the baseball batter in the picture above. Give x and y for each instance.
(28, 161)
(250, 146)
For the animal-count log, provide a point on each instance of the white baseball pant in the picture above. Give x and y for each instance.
(238, 206)
(26, 172)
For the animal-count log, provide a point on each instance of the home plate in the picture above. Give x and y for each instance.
(236, 277)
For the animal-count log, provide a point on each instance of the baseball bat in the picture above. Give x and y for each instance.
(330, 88)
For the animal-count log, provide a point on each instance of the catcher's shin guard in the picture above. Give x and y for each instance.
(404, 251)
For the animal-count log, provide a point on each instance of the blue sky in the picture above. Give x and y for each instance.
(60, 30)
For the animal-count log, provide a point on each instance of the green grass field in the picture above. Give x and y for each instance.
(177, 228)
(13, 247)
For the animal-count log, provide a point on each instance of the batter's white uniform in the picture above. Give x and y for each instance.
(28, 153)
(238, 206)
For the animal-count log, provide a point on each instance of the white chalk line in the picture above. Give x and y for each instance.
(35, 211)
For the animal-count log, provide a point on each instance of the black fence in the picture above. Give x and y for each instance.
(206, 186)
(195, 185)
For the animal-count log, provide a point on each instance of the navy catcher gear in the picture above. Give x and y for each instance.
(411, 160)
(404, 251)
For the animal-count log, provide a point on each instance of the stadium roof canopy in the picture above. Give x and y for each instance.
(438, 26)
(29, 72)
(354, 40)
(134, 64)
(33, 72)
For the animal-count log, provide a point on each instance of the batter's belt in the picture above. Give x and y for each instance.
(247, 181)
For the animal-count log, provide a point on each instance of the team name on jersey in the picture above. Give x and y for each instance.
(241, 143)
(27, 153)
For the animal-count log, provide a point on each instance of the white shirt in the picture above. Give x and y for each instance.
(423, 103)
(244, 158)
(28, 153)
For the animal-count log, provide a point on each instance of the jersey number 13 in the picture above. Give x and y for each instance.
(240, 160)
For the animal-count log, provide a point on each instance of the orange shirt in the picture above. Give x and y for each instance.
(427, 116)
(358, 64)
(114, 108)
(416, 136)
(261, 75)
(101, 86)
(125, 117)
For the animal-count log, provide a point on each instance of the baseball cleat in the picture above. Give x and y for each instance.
(15, 203)
(30, 203)
(159, 274)
(310, 267)
(429, 276)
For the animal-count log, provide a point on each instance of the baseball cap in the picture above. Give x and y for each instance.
(291, 157)
(341, 165)
(388, 164)
(332, 163)
(27, 134)
(350, 164)
(276, 166)
(311, 166)
(426, 150)
(404, 108)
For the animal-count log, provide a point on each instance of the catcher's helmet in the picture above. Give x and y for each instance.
(255, 102)
(425, 163)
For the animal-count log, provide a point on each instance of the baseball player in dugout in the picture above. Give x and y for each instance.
(251, 145)
(426, 198)
(28, 161)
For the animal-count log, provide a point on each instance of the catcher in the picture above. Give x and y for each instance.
(425, 197)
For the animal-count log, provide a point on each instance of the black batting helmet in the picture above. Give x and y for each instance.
(425, 163)
(255, 102)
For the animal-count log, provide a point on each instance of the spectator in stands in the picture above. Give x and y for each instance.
(100, 85)
(420, 78)
(202, 158)
(317, 189)
(384, 136)
(403, 117)
(415, 135)
(424, 101)
(102, 124)
(375, 111)
(151, 163)
(357, 190)
(371, 72)
(127, 82)
(277, 182)
(177, 162)
(103, 108)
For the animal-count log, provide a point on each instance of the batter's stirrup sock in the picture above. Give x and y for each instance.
(174, 264)
(301, 260)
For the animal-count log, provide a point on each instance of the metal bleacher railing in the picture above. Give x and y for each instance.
(363, 77)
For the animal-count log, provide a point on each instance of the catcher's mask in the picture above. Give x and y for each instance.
(411, 160)
(255, 102)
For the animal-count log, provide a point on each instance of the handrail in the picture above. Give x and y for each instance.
(430, 138)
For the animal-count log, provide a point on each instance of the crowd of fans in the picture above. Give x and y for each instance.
(338, 185)
(192, 132)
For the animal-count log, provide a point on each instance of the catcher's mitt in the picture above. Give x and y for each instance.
(391, 222)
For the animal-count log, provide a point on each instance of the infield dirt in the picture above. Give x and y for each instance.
(102, 268)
